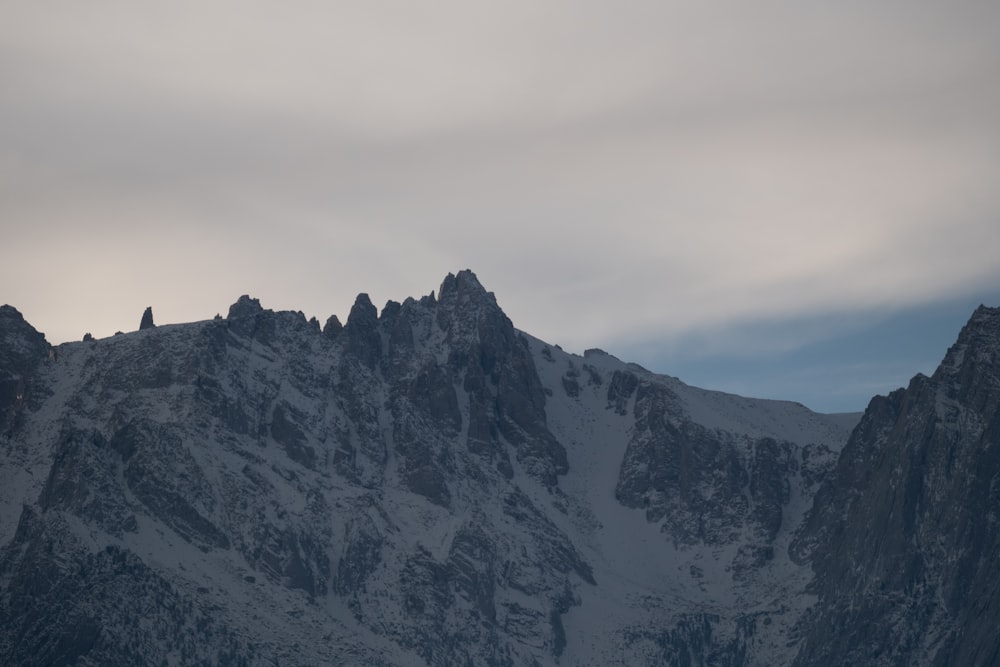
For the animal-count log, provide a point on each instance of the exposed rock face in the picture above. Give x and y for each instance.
(333, 326)
(428, 485)
(22, 350)
(703, 486)
(904, 537)
(147, 319)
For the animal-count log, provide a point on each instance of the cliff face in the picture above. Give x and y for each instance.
(904, 536)
(22, 350)
(429, 485)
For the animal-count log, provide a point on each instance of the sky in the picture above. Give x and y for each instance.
(789, 200)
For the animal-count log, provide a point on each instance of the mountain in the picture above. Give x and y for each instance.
(904, 536)
(428, 485)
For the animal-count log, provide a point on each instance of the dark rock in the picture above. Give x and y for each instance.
(84, 481)
(333, 327)
(770, 469)
(464, 287)
(623, 385)
(293, 558)
(701, 484)
(22, 349)
(390, 312)
(287, 433)
(696, 639)
(244, 307)
(570, 382)
(147, 319)
(65, 604)
(362, 451)
(472, 560)
(364, 342)
(360, 557)
(554, 549)
(247, 318)
(432, 393)
(497, 371)
(594, 378)
(903, 556)
(163, 475)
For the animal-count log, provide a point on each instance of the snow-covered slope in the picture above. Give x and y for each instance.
(685, 566)
(424, 485)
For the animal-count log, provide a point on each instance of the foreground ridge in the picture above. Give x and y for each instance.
(429, 485)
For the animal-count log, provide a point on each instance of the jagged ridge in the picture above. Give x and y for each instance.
(428, 485)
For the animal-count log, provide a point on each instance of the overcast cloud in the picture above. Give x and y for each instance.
(622, 175)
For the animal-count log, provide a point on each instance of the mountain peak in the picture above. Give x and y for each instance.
(17, 336)
(977, 347)
(983, 327)
(464, 285)
(363, 312)
(363, 338)
(332, 326)
(245, 306)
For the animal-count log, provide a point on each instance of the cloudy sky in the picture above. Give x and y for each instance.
(783, 199)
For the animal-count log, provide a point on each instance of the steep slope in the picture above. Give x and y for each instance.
(904, 537)
(424, 485)
(687, 500)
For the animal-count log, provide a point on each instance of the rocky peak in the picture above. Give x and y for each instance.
(333, 327)
(244, 307)
(249, 319)
(362, 331)
(390, 312)
(466, 310)
(464, 280)
(147, 319)
(363, 314)
(971, 367)
(977, 343)
(18, 338)
(243, 315)
(464, 288)
(22, 348)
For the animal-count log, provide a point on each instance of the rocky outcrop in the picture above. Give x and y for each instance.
(333, 327)
(704, 486)
(364, 341)
(22, 350)
(147, 319)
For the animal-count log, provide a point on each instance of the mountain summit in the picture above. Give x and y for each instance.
(428, 485)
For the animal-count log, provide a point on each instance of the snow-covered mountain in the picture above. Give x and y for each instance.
(429, 485)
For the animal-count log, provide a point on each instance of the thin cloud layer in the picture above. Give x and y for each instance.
(616, 174)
